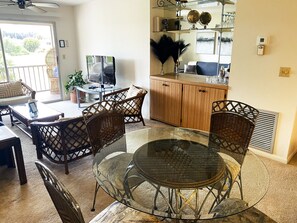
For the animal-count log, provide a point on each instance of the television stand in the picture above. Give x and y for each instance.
(93, 89)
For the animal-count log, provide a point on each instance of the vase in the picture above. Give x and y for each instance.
(162, 70)
(176, 68)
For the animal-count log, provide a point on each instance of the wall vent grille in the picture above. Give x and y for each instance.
(264, 132)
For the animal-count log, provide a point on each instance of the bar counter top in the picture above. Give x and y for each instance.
(193, 79)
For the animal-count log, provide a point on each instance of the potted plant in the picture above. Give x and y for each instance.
(75, 79)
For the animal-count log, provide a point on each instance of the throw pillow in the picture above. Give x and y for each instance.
(11, 89)
(133, 91)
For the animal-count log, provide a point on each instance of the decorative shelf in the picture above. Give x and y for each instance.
(173, 5)
(224, 29)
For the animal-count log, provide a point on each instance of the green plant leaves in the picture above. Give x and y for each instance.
(75, 79)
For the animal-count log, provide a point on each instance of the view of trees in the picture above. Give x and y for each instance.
(23, 45)
(31, 44)
(14, 48)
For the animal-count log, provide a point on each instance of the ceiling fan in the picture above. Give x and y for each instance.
(28, 4)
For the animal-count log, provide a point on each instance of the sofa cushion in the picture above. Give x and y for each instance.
(14, 100)
(209, 68)
(134, 91)
(11, 89)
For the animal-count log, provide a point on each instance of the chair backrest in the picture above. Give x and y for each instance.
(96, 108)
(104, 128)
(64, 202)
(231, 127)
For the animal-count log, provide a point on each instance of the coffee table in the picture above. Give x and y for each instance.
(22, 118)
(93, 89)
(7, 140)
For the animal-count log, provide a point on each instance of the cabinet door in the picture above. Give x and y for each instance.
(196, 107)
(157, 100)
(166, 101)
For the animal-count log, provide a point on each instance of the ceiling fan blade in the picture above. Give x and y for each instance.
(46, 4)
(35, 9)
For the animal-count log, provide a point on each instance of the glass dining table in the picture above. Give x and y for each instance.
(173, 173)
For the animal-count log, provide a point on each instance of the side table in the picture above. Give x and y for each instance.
(7, 140)
(93, 89)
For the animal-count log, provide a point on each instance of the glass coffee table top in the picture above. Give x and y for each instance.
(22, 117)
(44, 112)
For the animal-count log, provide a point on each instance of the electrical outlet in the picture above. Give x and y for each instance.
(284, 71)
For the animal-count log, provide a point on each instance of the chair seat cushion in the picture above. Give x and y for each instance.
(233, 167)
(114, 169)
(117, 212)
(14, 100)
(228, 204)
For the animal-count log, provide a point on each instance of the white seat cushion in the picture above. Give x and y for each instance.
(234, 168)
(114, 169)
(14, 100)
(117, 212)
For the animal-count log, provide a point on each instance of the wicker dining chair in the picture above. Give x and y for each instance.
(64, 202)
(104, 126)
(231, 128)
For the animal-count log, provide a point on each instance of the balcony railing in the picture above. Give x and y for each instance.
(35, 76)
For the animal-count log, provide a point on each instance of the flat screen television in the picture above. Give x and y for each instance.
(101, 69)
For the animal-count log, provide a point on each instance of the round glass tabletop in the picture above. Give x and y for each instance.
(165, 172)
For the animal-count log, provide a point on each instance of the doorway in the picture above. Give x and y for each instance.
(28, 52)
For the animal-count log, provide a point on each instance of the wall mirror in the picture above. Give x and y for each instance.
(210, 43)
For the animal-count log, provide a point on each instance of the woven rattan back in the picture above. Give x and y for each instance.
(64, 202)
(96, 108)
(104, 128)
(62, 141)
(231, 128)
(130, 107)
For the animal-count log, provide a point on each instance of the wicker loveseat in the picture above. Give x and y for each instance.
(61, 141)
(12, 93)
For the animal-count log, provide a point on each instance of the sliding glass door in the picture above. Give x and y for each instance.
(28, 52)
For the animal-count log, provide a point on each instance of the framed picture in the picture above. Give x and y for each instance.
(226, 43)
(32, 107)
(62, 43)
(205, 42)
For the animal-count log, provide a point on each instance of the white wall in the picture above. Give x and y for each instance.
(63, 20)
(120, 29)
(254, 79)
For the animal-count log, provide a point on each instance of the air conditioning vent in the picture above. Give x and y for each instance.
(264, 132)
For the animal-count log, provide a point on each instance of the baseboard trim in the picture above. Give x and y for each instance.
(270, 156)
